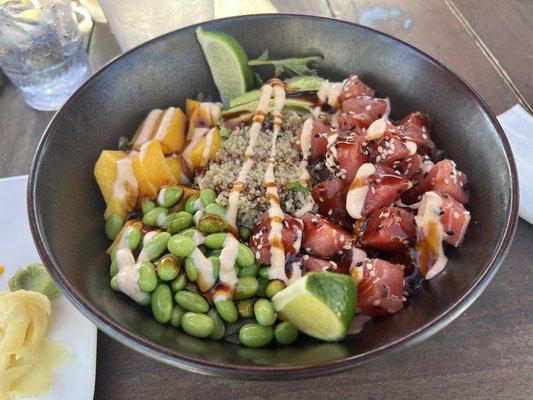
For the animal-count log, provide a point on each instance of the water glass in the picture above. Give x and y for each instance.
(41, 50)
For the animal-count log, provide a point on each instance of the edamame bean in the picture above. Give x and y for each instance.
(175, 318)
(156, 217)
(156, 246)
(132, 234)
(246, 256)
(181, 245)
(113, 225)
(215, 209)
(207, 196)
(162, 303)
(198, 325)
(169, 196)
(251, 270)
(244, 233)
(168, 267)
(113, 268)
(147, 281)
(285, 333)
(215, 253)
(190, 205)
(263, 283)
(192, 287)
(216, 265)
(146, 301)
(190, 269)
(178, 283)
(245, 308)
(264, 312)
(263, 272)
(227, 310)
(190, 232)
(180, 221)
(114, 284)
(215, 241)
(255, 335)
(220, 328)
(147, 205)
(191, 301)
(211, 224)
(246, 287)
(274, 287)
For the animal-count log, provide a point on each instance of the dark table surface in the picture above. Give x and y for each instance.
(487, 353)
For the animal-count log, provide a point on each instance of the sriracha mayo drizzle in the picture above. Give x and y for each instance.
(227, 276)
(240, 182)
(305, 143)
(275, 213)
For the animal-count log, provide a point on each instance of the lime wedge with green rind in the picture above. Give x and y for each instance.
(321, 304)
(228, 63)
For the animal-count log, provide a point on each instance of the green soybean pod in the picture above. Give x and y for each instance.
(245, 308)
(227, 310)
(178, 283)
(215, 261)
(132, 234)
(210, 223)
(147, 205)
(264, 312)
(220, 328)
(181, 245)
(179, 222)
(190, 205)
(215, 241)
(114, 284)
(263, 283)
(215, 209)
(191, 301)
(113, 225)
(147, 280)
(175, 318)
(156, 217)
(246, 287)
(245, 256)
(156, 246)
(190, 269)
(263, 272)
(255, 335)
(207, 196)
(274, 287)
(162, 303)
(198, 325)
(244, 233)
(169, 196)
(168, 267)
(252, 270)
(285, 333)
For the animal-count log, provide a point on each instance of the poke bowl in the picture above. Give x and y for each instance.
(277, 214)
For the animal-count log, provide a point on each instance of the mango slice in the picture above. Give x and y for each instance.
(206, 149)
(146, 129)
(201, 115)
(125, 189)
(145, 186)
(171, 130)
(105, 171)
(135, 222)
(151, 169)
(179, 169)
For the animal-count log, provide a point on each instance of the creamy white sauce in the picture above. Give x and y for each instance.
(296, 272)
(429, 213)
(197, 135)
(165, 122)
(208, 146)
(329, 93)
(147, 128)
(128, 275)
(358, 322)
(305, 144)
(160, 220)
(306, 207)
(146, 239)
(355, 198)
(125, 186)
(206, 279)
(198, 238)
(358, 256)
(240, 182)
(197, 215)
(228, 257)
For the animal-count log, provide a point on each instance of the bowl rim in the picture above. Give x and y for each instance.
(258, 372)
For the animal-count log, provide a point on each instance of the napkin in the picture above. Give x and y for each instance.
(518, 126)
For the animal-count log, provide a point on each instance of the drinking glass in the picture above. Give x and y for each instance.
(41, 50)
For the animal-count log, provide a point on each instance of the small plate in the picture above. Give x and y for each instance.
(74, 380)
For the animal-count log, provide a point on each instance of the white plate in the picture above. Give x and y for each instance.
(74, 380)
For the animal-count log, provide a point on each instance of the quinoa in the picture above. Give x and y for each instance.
(224, 169)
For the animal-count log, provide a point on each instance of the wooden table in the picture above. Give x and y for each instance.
(487, 353)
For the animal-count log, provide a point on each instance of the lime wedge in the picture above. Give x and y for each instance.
(321, 304)
(228, 63)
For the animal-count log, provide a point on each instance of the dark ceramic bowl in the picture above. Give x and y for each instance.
(65, 207)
